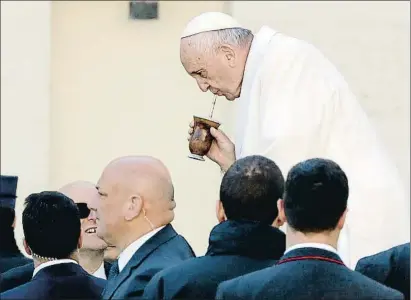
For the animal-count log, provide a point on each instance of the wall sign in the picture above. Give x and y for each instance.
(143, 10)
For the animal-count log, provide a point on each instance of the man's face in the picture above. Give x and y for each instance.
(88, 225)
(109, 209)
(212, 71)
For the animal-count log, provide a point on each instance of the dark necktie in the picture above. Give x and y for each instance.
(113, 270)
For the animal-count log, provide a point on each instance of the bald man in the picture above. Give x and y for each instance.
(294, 105)
(134, 213)
(91, 254)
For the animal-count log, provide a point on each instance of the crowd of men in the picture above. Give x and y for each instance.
(114, 239)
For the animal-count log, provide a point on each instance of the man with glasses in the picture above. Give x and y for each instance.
(52, 236)
(91, 254)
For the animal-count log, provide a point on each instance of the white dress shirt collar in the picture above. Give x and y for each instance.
(127, 253)
(52, 263)
(312, 245)
(100, 272)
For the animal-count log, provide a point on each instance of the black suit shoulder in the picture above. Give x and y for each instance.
(16, 276)
(8, 262)
(235, 248)
(198, 278)
(59, 282)
(305, 281)
(163, 250)
(160, 259)
(390, 267)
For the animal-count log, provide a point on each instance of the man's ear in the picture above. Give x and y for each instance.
(26, 247)
(229, 54)
(220, 213)
(281, 213)
(133, 207)
(278, 222)
(341, 221)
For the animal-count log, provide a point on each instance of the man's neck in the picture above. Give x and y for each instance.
(128, 240)
(91, 260)
(328, 238)
(133, 233)
(38, 262)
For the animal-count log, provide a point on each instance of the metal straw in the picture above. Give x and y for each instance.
(212, 109)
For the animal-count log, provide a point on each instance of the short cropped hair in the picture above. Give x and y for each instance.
(251, 188)
(316, 195)
(51, 224)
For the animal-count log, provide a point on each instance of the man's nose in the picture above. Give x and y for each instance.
(92, 215)
(92, 204)
(203, 85)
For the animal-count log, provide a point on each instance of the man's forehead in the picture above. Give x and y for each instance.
(107, 182)
(190, 53)
(81, 194)
(109, 175)
(193, 64)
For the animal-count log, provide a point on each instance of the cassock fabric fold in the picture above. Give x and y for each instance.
(295, 105)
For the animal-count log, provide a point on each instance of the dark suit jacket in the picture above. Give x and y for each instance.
(165, 249)
(62, 281)
(12, 260)
(306, 274)
(391, 268)
(23, 274)
(235, 248)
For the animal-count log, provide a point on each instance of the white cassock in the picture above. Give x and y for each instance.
(295, 105)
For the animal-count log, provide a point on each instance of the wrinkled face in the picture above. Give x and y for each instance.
(109, 209)
(217, 71)
(88, 225)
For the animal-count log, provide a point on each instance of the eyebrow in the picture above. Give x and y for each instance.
(198, 72)
(99, 191)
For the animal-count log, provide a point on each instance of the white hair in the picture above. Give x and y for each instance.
(210, 40)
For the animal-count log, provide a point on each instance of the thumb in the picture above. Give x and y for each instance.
(218, 135)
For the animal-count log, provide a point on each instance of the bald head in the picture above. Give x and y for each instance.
(79, 191)
(136, 196)
(145, 175)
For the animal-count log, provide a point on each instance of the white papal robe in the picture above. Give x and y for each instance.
(295, 105)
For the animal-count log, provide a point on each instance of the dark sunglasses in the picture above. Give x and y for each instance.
(84, 210)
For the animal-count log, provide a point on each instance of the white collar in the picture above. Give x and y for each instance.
(127, 253)
(312, 245)
(100, 272)
(52, 263)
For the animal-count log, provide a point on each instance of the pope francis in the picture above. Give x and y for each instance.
(295, 105)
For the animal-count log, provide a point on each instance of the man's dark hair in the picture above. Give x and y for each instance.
(316, 194)
(251, 188)
(51, 224)
(7, 240)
